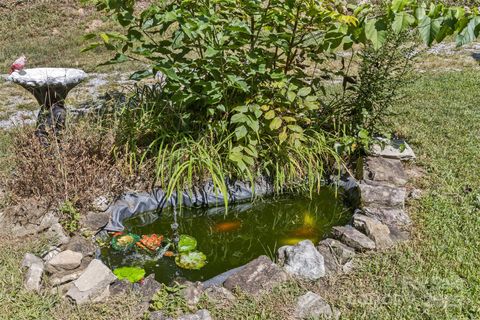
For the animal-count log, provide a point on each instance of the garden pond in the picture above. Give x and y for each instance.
(227, 240)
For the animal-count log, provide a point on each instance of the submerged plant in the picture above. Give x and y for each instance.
(132, 274)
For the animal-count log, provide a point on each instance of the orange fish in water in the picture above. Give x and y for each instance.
(227, 226)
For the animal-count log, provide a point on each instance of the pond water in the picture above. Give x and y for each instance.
(230, 240)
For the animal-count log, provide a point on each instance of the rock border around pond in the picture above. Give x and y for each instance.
(378, 223)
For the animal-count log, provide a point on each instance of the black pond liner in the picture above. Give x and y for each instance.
(132, 204)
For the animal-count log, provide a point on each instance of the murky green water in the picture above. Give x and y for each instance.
(229, 241)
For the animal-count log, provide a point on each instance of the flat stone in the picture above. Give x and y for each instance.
(257, 277)
(388, 216)
(381, 195)
(95, 220)
(353, 238)
(93, 284)
(61, 279)
(81, 244)
(389, 171)
(220, 296)
(148, 287)
(30, 259)
(312, 306)
(66, 260)
(394, 149)
(342, 252)
(33, 277)
(52, 252)
(62, 289)
(156, 315)
(302, 260)
(120, 287)
(336, 255)
(374, 229)
(199, 315)
(58, 235)
(192, 293)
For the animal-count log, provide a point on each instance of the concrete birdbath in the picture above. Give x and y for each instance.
(50, 87)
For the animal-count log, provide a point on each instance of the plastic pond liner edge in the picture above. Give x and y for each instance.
(134, 203)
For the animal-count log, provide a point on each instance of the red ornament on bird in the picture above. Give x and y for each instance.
(18, 64)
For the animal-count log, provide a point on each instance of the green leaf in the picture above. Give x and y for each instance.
(239, 118)
(210, 52)
(269, 115)
(276, 123)
(295, 128)
(402, 21)
(240, 132)
(428, 29)
(142, 74)
(291, 96)
(132, 274)
(186, 243)
(375, 31)
(304, 91)
(398, 5)
(282, 136)
(193, 260)
(469, 33)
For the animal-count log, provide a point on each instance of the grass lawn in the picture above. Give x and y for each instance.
(434, 276)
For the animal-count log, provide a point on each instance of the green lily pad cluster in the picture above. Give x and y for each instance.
(132, 274)
(188, 257)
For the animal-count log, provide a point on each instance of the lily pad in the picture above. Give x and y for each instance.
(192, 260)
(186, 243)
(132, 274)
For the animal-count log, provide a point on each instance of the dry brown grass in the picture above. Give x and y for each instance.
(78, 168)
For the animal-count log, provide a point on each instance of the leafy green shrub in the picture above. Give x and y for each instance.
(70, 216)
(241, 83)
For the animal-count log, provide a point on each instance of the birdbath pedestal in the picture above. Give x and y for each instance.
(50, 87)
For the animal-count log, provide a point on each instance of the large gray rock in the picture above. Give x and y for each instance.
(342, 252)
(93, 284)
(353, 238)
(81, 244)
(389, 171)
(312, 306)
(389, 216)
(394, 149)
(302, 260)
(60, 279)
(30, 259)
(337, 256)
(57, 234)
(95, 220)
(199, 315)
(382, 196)
(192, 293)
(33, 278)
(374, 229)
(257, 276)
(220, 296)
(66, 260)
(148, 287)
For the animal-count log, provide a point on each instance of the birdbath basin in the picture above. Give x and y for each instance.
(50, 87)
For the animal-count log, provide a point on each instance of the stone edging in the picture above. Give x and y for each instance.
(379, 223)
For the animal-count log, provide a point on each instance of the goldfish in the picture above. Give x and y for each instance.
(227, 226)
